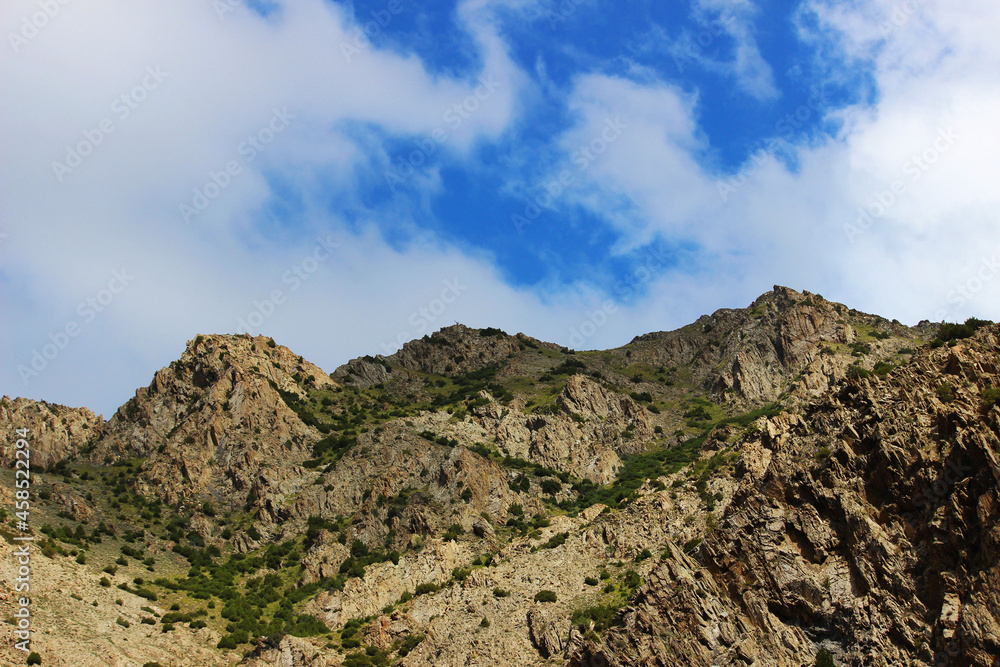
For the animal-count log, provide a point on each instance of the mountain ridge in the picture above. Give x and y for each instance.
(729, 492)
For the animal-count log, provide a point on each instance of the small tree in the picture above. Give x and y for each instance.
(34, 658)
(545, 596)
(824, 659)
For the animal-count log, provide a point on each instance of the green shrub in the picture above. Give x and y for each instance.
(949, 332)
(545, 596)
(945, 392)
(856, 372)
(122, 622)
(453, 532)
(602, 616)
(556, 541)
(551, 486)
(105, 582)
(34, 659)
(824, 659)
(990, 397)
(426, 588)
(692, 544)
(882, 368)
(591, 581)
(409, 643)
(500, 593)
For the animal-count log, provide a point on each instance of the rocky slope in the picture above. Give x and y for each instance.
(867, 525)
(212, 421)
(761, 487)
(751, 355)
(58, 432)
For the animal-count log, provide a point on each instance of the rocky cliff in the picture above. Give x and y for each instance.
(58, 432)
(794, 483)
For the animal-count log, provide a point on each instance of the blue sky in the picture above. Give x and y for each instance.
(345, 177)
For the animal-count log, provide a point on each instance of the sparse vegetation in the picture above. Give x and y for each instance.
(990, 397)
(951, 332)
(945, 392)
(824, 658)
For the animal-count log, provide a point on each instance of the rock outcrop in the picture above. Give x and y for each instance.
(217, 419)
(738, 492)
(871, 534)
(56, 432)
(753, 355)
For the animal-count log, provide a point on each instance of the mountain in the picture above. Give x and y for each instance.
(793, 483)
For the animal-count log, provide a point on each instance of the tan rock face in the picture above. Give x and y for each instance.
(396, 482)
(214, 421)
(587, 435)
(74, 621)
(751, 355)
(289, 652)
(55, 431)
(454, 350)
(850, 530)
(863, 519)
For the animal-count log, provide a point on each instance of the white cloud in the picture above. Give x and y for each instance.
(200, 91)
(224, 79)
(748, 67)
(930, 135)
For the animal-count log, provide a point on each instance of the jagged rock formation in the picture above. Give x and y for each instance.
(213, 420)
(871, 532)
(587, 436)
(455, 350)
(57, 432)
(525, 504)
(752, 353)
